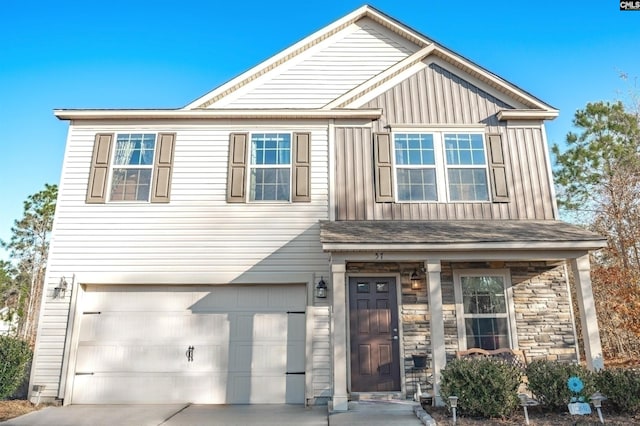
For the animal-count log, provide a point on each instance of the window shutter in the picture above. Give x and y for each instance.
(498, 170)
(163, 167)
(236, 176)
(301, 167)
(383, 167)
(99, 173)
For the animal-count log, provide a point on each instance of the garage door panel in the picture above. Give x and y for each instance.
(141, 358)
(241, 355)
(153, 326)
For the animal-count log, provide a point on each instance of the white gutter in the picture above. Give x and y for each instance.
(527, 114)
(534, 245)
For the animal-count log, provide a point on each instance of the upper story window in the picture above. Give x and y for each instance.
(482, 301)
(440, 166)
(270, 167)
(278, 166)
(131, 167)
(466, 167)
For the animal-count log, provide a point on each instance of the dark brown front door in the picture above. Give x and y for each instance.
(375, 347)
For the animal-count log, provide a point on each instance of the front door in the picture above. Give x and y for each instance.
(375, 347)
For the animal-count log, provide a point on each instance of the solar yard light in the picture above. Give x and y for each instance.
(453, 402)
(596, 400)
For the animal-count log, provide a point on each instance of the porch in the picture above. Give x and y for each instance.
(450, 307)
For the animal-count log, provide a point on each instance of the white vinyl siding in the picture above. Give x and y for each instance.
(197, 238)
(325, 72)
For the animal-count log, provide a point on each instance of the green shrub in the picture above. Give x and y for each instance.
(548, 382)
(15, 355)
(485, 387)
(621, 387)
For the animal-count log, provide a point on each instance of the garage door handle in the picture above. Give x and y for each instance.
(189, 353)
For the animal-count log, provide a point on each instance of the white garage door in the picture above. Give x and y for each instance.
(207, 345)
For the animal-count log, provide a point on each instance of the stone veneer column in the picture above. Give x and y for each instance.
(340, 401)
(590, 332)
(437, 324)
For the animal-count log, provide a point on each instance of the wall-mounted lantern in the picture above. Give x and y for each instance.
(321, 289)
(416, 280)
(60, 290)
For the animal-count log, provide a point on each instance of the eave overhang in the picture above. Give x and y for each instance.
(526, 114)
(462, 235)
(213, 114)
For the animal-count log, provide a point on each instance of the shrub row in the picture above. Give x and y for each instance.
(488, 387)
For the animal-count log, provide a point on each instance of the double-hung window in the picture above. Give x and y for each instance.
(440, 166)
(466, 167)
(483, 317)
(131, 167)
(270, 167)
(132, 171)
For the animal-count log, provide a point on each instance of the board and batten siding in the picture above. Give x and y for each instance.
(196, 238)
(434, 96)
(326, 71)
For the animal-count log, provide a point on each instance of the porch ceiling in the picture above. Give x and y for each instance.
(457, 235)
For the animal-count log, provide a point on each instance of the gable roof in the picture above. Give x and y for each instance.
(533, 107)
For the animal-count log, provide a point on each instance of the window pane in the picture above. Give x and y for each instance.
(134, 149)
(417, 185)
(130, 185)
(483, 295)
(487, 333)
(468, 185)
(269, 184)
(414, 149)
(464, 149)
(270, 148)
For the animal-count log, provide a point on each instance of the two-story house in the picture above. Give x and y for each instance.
(298, 233)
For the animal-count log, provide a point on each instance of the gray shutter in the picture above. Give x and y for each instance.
(237, 172)
(383, 167)
(162, 168)
(99, 173)
(301, 179)
(497, 169)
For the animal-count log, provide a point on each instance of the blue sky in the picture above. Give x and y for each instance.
(164, 54)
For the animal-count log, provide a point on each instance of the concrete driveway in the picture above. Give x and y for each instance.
(370, 413)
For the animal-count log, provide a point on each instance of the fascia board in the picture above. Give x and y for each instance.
(204, 114)
(526, 114)
(548, 246)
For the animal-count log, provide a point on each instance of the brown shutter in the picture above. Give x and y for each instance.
(497, 169)
(383, 167)
(162, 168)
(237, 173)
(99, 173)
(301, 178)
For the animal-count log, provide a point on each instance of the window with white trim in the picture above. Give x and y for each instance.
(270, 167)
(132, 167)
(440, 166)
(484, 310)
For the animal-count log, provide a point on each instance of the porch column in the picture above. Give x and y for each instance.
(339, 334)
(438, 353)
(588, 319)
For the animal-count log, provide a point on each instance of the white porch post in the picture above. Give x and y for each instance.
(339, 337)
(590, 332)
(437, 324)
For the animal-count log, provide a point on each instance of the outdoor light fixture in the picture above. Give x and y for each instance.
(60, 290)
(321, 289)
(596, 400)
(416, 280)
(453, 402)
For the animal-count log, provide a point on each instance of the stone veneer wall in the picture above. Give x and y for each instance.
(542, 310)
